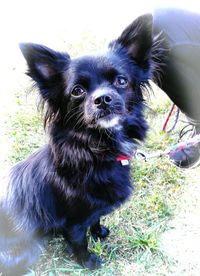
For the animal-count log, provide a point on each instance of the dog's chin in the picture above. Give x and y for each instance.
(106, 122)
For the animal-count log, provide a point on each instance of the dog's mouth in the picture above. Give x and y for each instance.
(106, 119)
(104, 114)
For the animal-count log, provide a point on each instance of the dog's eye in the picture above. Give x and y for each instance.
(78, 91)
(121, 81)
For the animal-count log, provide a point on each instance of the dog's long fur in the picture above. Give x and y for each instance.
(94, 110)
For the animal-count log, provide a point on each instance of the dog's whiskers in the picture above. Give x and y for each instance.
(70, 116)
(80, 121)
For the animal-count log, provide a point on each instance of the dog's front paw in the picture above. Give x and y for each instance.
(101, 232)
(91, 262)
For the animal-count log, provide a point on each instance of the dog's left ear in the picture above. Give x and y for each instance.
(137, 39)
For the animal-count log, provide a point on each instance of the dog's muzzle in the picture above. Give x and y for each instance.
(104, 109)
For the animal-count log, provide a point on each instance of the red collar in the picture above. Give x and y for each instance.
(124, 159)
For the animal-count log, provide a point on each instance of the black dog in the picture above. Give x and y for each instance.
(94, 110)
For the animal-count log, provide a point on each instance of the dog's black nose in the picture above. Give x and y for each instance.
(103, 101)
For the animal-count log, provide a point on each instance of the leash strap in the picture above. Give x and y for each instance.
(140, 155)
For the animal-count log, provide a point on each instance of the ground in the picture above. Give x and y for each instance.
(182, 242)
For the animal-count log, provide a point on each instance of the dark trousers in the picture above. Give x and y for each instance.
(180, 77)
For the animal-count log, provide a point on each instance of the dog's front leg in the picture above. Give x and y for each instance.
(99, 231)
(77, 241)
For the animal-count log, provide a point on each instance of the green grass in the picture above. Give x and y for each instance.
(25, 127)
(133, 246)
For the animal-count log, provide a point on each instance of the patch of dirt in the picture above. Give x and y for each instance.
(182, 241)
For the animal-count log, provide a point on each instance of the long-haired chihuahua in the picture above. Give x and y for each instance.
(94, 116)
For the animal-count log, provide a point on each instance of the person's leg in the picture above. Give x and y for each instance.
(180, 78)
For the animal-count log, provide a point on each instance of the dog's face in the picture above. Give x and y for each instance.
(100, 87)
(94, 91)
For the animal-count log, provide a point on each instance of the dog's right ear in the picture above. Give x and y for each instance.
(44, 64)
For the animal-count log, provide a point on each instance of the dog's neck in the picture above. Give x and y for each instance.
(78, 148)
